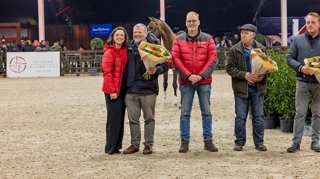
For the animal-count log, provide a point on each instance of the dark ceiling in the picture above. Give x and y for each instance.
(215, 15)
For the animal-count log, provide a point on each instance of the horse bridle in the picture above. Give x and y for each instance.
(157, 28)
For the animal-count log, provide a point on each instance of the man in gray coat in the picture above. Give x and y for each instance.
(305, 46)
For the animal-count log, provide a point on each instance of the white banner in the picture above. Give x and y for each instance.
(33, 64)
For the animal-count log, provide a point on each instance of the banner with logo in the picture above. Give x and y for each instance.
(33, 64)
(100, 30)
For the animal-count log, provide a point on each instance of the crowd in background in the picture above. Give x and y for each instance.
(32, 46)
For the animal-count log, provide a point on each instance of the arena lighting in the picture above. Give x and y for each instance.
(62, 10)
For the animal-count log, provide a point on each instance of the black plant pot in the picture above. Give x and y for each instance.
(94, 72)
(270, 122)
(286, 125)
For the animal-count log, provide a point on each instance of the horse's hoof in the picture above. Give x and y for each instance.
(175, 104)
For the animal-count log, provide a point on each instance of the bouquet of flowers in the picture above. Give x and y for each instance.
(313, 65)
(261, 63)
(152, 54)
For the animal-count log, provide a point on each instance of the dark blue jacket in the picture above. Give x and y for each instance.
(135, 69)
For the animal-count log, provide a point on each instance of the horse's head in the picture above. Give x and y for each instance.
(153, 27)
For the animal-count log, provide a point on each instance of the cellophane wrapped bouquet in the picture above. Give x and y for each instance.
(261, 63)
(151, 55)
(313, 65)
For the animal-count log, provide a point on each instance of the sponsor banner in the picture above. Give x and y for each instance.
(33, 64)
(100, 30)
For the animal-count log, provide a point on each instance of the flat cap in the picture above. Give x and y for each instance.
(249, 27)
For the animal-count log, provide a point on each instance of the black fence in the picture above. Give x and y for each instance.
(76, 62)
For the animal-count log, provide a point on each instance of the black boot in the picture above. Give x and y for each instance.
(294, 147)
(315, 147)
(184, 147)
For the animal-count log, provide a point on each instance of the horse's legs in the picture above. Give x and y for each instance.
(175, 86)
(165, 86)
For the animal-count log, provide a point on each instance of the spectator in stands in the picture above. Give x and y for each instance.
(9, 46)
(275, 42)
(14, 48)
(222, 44)
(61, 43)
(4, 48)
(81, 48)
(65, 48)
(42, 47)
(230, 43)
(35, 44)
(55, 47)
(217, 40)
(27, 47)
(235, 39)
(48, 44)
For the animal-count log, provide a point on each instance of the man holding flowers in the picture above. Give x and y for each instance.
(303, 46)
(141, 92)
(195, 57)
(248, 88)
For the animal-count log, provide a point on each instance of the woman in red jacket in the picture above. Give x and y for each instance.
(114, 83)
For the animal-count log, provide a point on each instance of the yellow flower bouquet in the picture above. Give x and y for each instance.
(313, 65)
(152, 54)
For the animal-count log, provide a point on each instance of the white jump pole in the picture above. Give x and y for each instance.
(41, 20)
(284, 23)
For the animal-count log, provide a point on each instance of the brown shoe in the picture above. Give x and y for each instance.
(208, 145)
(261, 147)
(147, 149)
(184, 147)
(238, 147)
(130, 150)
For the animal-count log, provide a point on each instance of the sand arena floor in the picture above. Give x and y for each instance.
(55, 128)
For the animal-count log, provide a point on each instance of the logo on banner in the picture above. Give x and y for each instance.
(17, 64)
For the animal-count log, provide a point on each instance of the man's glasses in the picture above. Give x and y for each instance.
(193, 21)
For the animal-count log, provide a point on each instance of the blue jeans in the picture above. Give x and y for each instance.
(242, 108)
(187, 94)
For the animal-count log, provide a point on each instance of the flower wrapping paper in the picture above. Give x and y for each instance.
(260, 66)
(313, 70)
(150, 60)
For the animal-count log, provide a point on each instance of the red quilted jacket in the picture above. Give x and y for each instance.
(113, 65)
(198, 57)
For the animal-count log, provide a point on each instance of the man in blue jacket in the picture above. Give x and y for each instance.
(305, 46)
(141, 93)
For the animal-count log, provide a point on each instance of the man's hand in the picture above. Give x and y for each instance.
(258, 78)
(193, 78)
(152, 71)
(253, 78)
(305, 70)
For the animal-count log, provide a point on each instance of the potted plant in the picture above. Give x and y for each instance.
(260, 38)
(271, 119)
(285, 86)
(96, 43)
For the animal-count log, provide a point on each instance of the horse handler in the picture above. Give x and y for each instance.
(194, 57)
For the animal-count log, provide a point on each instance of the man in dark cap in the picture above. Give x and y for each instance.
(247, 88)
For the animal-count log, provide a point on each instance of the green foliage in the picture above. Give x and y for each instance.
(96, 42)
(260, 38)
(281, 88)
(221, 59)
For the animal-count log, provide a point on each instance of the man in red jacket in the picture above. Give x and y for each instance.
(195, 57)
